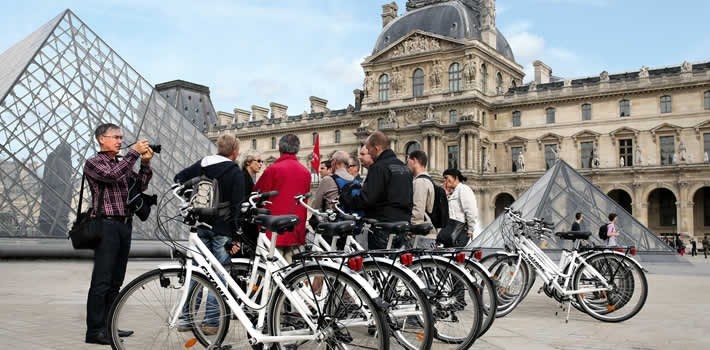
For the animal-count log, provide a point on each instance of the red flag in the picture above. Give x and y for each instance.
(315, 160)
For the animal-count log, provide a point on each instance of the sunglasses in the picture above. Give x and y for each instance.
(352, 165)
(258, 160)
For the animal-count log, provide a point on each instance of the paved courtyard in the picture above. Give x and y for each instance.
(42, 306)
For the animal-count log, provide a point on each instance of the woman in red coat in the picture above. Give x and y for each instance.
(290, 178)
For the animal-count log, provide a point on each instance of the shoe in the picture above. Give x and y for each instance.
(209, 330)
(98, 339)
(124, 334)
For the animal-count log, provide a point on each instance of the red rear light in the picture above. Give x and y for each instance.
(478, 254)
(633, 251)
(406, 259)
(355, 263)
(460, 257)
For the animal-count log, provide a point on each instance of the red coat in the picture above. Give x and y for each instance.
(290, 178)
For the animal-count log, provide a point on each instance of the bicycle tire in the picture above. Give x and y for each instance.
(136, 305)
(487, 292)
(509, 295)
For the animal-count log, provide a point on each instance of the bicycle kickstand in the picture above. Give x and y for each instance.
(569, 308)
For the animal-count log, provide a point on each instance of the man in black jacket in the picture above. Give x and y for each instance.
(231, 189)
(387, 194)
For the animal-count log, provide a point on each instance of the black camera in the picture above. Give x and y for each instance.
(156, 148)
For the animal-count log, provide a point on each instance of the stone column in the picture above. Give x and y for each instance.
(641, 204)
(685, 209)
(462, 150)
(473, 165)
(425, 148)
(434, 152)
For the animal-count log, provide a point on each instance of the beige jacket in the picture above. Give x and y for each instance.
(328, 190)
(423, 201)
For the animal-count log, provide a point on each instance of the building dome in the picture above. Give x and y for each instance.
(454, 19)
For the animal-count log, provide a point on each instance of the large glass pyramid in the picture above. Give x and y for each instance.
(557, 196)
(56, 86)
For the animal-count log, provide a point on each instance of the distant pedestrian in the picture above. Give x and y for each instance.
(612, 232)
(705, 246)
(577, 224)
(694, 247)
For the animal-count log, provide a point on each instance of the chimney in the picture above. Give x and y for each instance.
(224, 118)
(318, 105)
(389, 13)
(259, 113)
(543, 73)
(241, 115)
(278, 110)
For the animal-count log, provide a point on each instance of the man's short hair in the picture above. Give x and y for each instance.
(326, 163)
(612, 216)
(289, 144)
(227, 144)
(419, 156)
(378, 138)
(341, 157)
(577, 216)
(103, 128)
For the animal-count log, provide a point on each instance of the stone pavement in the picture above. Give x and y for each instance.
(42, 306)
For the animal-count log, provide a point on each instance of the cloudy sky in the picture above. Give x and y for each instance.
(259, 51)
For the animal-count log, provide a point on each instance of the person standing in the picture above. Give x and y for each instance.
(423, 199)
(324, 169)
(577, 224)
(611, 231)
(463, 211)
(288, 176)
(108, 177)
(250, 167)
(706, 243)
(693, 247)
(354, 169)
(328, 189)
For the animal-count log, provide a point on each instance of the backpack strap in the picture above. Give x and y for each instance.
(427, 218)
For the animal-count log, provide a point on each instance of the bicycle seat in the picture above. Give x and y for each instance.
(392, 227)
(421, 229)
(573, 235)
(340, 228)
(277, 223)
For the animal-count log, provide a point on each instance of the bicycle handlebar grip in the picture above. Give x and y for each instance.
(266, 195)
(548, 224)
(204, 211)
(191, 182)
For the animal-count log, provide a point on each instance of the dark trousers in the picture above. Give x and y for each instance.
(110, 260)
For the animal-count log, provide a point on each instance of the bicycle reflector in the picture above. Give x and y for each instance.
(633, 251)
(460, 257)
(478, 254)
(406, 259)
(355, 263)
(190, 343)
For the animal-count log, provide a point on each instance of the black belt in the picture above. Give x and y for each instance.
(121, 219)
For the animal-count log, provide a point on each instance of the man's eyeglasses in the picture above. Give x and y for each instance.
(115, 137)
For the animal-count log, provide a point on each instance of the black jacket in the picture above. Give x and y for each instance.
(231, 188)
(387, 194)
(248, 184)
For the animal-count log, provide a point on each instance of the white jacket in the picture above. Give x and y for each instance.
(463, 206)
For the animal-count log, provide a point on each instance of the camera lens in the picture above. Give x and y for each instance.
(156, 148)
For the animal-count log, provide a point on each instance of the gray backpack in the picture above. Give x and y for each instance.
(205, 197)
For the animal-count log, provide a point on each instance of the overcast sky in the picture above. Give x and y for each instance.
(259, 51)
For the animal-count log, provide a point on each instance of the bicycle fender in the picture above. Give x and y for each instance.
(616, 253)
(337, 268)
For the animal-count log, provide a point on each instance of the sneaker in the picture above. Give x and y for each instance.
(209, 330)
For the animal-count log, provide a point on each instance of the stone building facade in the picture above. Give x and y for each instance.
(453, 89)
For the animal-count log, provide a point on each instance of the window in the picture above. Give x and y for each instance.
(499, 83)
(413, 146)
(273, 143)
(706, 148)
(706, 194)
(707, 99)
(515, 152)
(454, 77)
(586, 111)
(624, 108)
(587, 149)
(453, 156)
(253, 143)
(667, 149)
(453, 118)
(384, 86)
(418, 83)
(516, 118)
(380, 123)
(484, 78)
(550, 157)
(483, 118)
(626, 147)
(665, 104)
(337, 136)
(314, 136)
(484, 154)
(550, 115)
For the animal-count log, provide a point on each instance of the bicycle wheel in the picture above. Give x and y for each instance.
(408, 313)
(343, 311)
(628, 287)
(454, 299)
(148, 303)
(486, 290)
(511, 283)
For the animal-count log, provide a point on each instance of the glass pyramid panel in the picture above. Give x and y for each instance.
(557, 196)
(56, 87)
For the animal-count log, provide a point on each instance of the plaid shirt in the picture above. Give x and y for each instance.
(112, 175)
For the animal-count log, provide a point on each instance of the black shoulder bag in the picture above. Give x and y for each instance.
(86, 231)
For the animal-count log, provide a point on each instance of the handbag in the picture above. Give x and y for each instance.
(454, 233)
(86, 231)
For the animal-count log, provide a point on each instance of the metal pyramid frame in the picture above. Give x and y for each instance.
(56, 86)
(558, 195)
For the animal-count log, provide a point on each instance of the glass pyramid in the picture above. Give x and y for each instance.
(56, 86)
(557, 196)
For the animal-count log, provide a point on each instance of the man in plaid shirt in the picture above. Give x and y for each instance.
(108, 175)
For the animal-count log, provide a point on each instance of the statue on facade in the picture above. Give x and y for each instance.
(643, 72)
(555, 153)
(469, 71)
(367, 84)
(435, 75)
(396, 81)
(430, 112)
(596, 163)
(521, 163)
(706, 159)
(638, 156)
(391, 117)
(686, 67)
(488, 14)
(622, 162)
(682, 152)
(604, 76)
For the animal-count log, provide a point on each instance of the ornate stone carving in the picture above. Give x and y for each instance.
(596, 163)
(643, 73)
(396, 80)
(682, 152)
(469, 70)
(430, 113)
(392, 117)
(532, 86)
(521, 163)
(604, 76)
(435, 75)
(368, 84)
(638, 156)
(416, 44)
(686, 67)
(488, 14)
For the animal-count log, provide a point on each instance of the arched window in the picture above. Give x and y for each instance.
(384, 85)
(586, 111)
(665, 104)
(337, 136)
(499, 83)
(550, 115)
(516, 118)
(454, 77)
(624, 108)
(418, 83)
(707, 99)
(273, 142)
(484, 78)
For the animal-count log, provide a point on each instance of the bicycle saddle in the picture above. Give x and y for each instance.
(392, 227)
(573, 235)
(340, 228)
(277, 223)
(420, 229)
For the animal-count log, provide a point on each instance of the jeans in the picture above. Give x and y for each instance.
(215, 243)
(110, 260)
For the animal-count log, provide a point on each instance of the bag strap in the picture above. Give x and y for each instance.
(81, 195)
